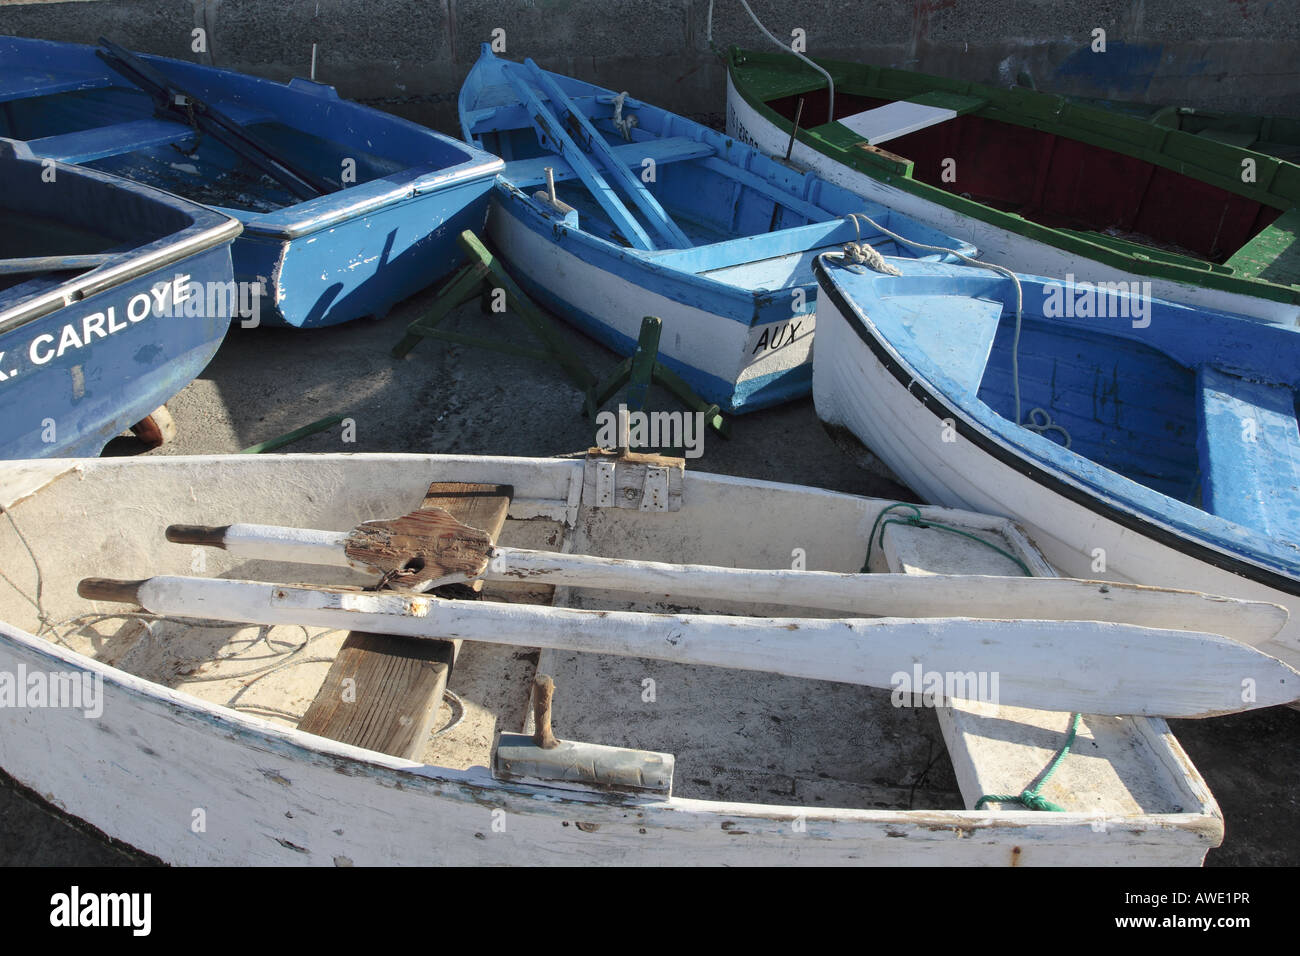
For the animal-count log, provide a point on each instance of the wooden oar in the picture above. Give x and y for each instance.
(430, 547)
(168, 97)
(1096, 668)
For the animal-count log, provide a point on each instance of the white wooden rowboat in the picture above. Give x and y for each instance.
(204, 717)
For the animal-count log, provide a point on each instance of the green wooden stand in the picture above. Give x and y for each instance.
(485, 272)
(643, 369)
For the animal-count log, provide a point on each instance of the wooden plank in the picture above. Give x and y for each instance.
(655, 214)
(383, 692)
(778, 194)
(525, 174)
(88, 145)
(893, 120)
(553, 132)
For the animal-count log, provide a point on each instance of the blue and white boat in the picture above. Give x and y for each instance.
(657, 215)
(1159, 444)
(346, 210)
(113, 297)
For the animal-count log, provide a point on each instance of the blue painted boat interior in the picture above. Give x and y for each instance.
(748, 221)
(70, 105)
(1190, 417)
(79, 214)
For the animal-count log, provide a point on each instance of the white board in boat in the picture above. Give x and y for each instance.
(895, 119)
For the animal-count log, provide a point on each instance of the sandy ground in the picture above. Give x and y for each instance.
(266, 382)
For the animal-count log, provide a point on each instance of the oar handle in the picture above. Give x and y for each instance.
(211, 536)
(543, 694)
(109, 589)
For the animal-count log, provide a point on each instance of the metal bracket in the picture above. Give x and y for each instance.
(632, 481)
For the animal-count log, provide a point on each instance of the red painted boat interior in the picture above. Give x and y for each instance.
(1065, 183)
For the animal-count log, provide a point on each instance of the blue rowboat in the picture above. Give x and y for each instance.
(1159, 442)
(113, 296)
(657, 215)
(346, 210)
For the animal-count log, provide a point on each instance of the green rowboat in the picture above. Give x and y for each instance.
(1039, 183)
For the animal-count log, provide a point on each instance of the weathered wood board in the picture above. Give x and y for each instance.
(383, 692)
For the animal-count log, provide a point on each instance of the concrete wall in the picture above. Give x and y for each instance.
(409, 56)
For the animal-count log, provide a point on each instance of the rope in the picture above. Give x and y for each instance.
(624, 125)
(830, 82)
(916, 521)
(1047, 424)
(1031, 797)
(864, 254)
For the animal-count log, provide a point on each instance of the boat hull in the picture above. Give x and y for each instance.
(389, 231)
(1013, 249)
(267, 794)
(362, 266)
(70, 402)
(916, 435)
(89, 350)
(718, 341)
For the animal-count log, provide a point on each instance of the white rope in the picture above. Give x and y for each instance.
(623, 125)
(1033, 424)
(830, 82)
(863, 254)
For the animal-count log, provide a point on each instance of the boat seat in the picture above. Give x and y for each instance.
(893, 120)
(1255, 483)
(383, 692)
(22, 86)
(88, 145)
(956, 332)
(530, 173)
(1273, 254)
(1003, 750)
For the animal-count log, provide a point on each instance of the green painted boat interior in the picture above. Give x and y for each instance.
(1099, 181)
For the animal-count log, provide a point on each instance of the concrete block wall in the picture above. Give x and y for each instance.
(409, 56)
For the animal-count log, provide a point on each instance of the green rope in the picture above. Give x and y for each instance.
(1031, 798)
(915, 521)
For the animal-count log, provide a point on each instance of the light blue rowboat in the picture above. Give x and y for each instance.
(357, 210)
(105, 310)
(1183, 460)
(657, 215)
